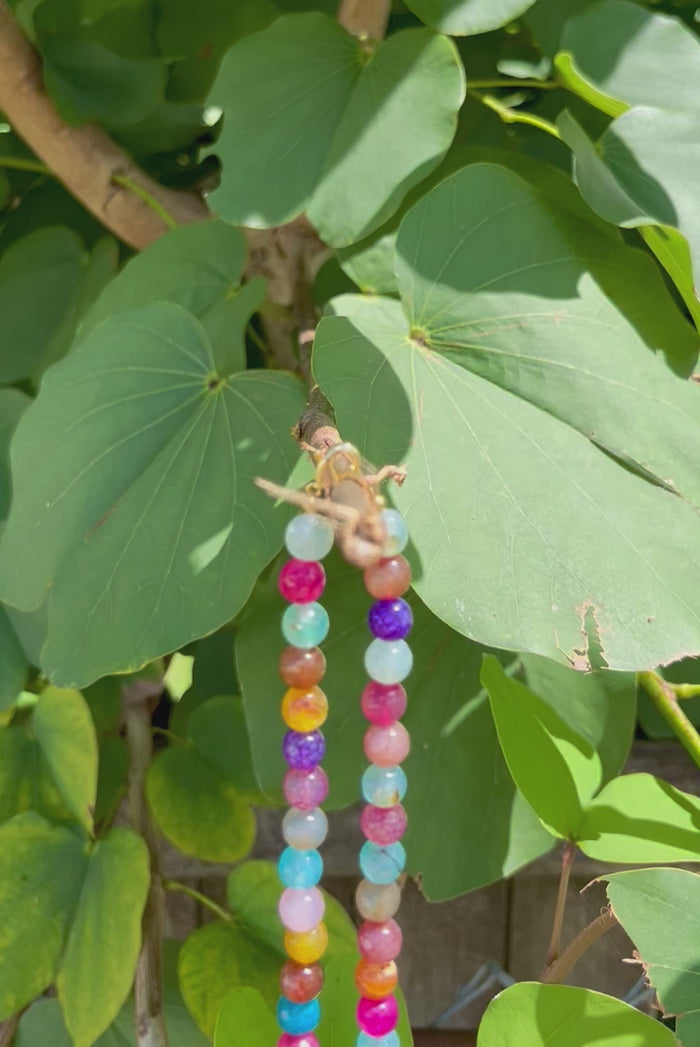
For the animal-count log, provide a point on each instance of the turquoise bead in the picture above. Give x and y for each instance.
(305, 625)
(300, 868)
(308, 537)
(297, 1019)
(390, 1040)
(382, 865)
(387, 661)
(396, 532)
(383, 786)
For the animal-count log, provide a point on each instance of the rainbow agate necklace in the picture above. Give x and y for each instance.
(309, 537)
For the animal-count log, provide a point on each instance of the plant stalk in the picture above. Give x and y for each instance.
(365, 19)
(148, 982)
(665, 698)
(515, 116)
(568, 855)
(208, 903)
(8, 1029)
(575, 950)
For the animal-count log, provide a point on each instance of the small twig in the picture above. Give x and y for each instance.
(148, 198)
(568, 854)
(516, 116)
(581, 943)
(208, 903)
(8, 1029)
(665, 698)
(366, 19)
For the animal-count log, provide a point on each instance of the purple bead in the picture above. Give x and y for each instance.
(303, 751)
(390, 619)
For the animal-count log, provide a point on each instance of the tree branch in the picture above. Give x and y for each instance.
(85, 159)
(366, 19)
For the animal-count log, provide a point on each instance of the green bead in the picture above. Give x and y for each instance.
(308, 537)
(305, 625)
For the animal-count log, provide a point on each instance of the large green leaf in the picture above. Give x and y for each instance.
(13, 663)
(13, 404)
(333, 117)
(566, 1016)
(245, 1020)
(637, 818)
(104, 940)
(139, 512)
(519, 366)
(556, 770)
(65, 737)
(38, 276)
(473, 775)
(41, 873)
(463, 17)
(660, 910)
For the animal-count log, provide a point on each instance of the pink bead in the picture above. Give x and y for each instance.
(383, 703)
(300, 910)
(301, 581)
(383, 825)
(377, 1017)
(305, 789)
(379, 942)
(287, 1040)
(387, 746)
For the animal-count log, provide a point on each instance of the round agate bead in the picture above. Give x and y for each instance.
(308, 537)
(379, 942)
(363, 1040)
(383, 703)
(303, 751)
(301, 581)
(305, 789)
(304, 830)
(381, 865)
(386, 746)
(383, 825)
(303, 1041)
(307, 947)
(384, 786)
(396, 530)
(388, 578)
(304, 708)
(298, 1018)
(305, 624)
(300, 869)
(376, 980)
(301, 982)
(390, 619)
(377, 902)
(301, 910)
(377, 1017)
(386, 661)
(302, 668)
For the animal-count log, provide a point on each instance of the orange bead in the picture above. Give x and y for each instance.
(304, 709)
(301, 668)
(375, 980)
(307, 946)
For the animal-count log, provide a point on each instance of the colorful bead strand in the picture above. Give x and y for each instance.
(388, 661)
(308, 539)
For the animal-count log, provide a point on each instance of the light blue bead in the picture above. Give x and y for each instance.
(308, 537)
(298, 1018)
(383, 786)
(382, 865)
(386, 661)
(300, 868)
(305, 624)
(390, 1040)
(396, 532)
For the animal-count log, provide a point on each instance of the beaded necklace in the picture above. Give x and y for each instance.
(309, 538)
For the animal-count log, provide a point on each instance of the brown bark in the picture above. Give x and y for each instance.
(365, 18)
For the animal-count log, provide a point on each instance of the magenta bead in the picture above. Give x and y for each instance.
(287, 1040)
(379, 942)
(387, 746)
(302, 581)
(300, 910)
(377, 1017)
(306, 789)
(383, 825)
(383, 703)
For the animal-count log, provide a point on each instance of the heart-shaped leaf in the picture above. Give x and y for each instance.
(135, 511)
(464, 17)
(332, 118)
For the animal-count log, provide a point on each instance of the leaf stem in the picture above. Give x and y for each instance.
(665, 698)
(170, 735)
(515, 116)
(18, 163)
(542, 85)
(148, 198)
(575, 950)
(208, 903)
(8, 1029)
(568, 854)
